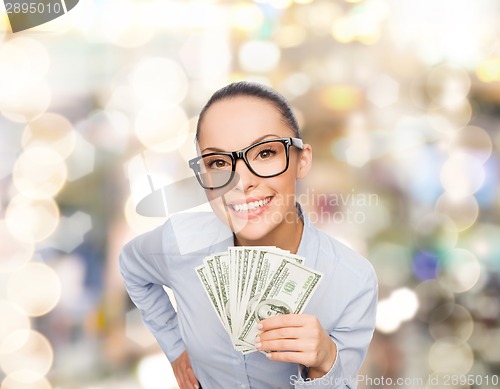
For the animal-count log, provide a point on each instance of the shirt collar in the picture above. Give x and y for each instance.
(308, 247)
(222, 239)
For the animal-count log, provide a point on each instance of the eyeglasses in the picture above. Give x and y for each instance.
(265, 159)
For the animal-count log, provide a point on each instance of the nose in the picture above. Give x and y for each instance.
(247, 179)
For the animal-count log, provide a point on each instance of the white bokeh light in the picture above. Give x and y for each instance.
(13, 252)
(50, 130)
(44, 289)
(39, 173)
(462, 271)
(162, 127)
(401, 306)
(155, 372)
(32, 220)
(13, 319)
(462, 175)
(158, 79)
(27, 353)
(259, 56)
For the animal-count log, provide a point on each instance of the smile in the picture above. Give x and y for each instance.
(247, 207)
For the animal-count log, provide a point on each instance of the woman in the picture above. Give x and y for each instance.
(240, 128)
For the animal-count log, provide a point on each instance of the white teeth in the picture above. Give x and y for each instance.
(245, 207)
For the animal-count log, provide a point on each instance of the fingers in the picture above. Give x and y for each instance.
(282, 333)
(180, 376)
(291, 356)
(297, 339)
(290, 320)
(184, 384)
(304, 327)
(281, 345)
(186, 379)
(184, 372)
(191, 378)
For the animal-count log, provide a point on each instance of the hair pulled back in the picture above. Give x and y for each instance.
(252, 89)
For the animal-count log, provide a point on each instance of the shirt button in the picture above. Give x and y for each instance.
(243, 386)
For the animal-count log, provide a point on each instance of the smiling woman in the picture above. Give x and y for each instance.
(240, 117)
(248, 141)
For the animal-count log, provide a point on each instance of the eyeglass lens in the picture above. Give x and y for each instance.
(266, 159)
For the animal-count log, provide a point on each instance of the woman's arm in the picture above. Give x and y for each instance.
(145, 290)
(144, 285)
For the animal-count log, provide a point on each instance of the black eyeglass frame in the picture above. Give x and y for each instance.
(242, 154)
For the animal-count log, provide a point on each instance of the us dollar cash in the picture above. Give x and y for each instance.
(288, 292)
(247, 284)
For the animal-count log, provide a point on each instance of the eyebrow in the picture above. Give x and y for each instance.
(253, 142)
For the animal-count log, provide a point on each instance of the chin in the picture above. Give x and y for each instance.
(253, 232)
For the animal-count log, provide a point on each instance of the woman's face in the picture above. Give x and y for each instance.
(234, 124)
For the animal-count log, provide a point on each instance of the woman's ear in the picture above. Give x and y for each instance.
(304, 162)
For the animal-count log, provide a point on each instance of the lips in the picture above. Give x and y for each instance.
(250, 205)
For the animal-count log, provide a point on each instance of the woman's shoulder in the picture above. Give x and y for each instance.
(147, 242)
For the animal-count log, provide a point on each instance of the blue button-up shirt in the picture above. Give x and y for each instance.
(344, 303)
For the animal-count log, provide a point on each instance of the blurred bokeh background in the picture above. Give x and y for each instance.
(399, 99)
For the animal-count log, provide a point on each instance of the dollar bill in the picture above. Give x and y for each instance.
(217, 282)
(288, 292)
(202, 275)
(247, 284)
(266, 264)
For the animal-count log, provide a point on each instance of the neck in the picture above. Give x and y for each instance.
(287, 236)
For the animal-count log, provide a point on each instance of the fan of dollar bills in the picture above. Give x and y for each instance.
(248, 284)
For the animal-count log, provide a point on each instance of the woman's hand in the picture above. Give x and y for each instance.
(298, 339)
(184, 372)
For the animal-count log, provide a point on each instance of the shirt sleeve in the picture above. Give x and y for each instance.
(145, 289)
(352, 336)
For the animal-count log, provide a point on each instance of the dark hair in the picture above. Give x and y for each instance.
(251, 89)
